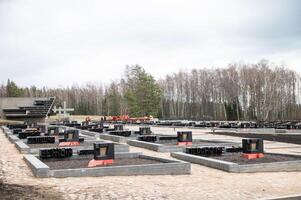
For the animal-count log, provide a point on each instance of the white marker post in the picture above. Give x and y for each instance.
(62, 112)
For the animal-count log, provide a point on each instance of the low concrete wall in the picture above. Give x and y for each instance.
(114, 138)
(38, 168)
(168, 167)
(233, 167)
(12, 138)
(22, 147)
(293, 138)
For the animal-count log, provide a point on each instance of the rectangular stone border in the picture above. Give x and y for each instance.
(169, 167)
(286, 166)
(104, 136)
(165, 148)
(24, 148)
(115, 138)
(293, 138)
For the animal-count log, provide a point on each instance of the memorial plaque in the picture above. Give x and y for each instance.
(40, 140)
(25, 134)
(205, 151)
(254, 145)
(55, 153)
(71, 136)
(147, 138)
(121, 133)
(104, 151)
(13, 126)
(184, 136)
(53, 130)
(145, 130)
(118, 127)
(17, 130)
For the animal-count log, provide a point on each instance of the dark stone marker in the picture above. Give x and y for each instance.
(25, 134)
(55, 153)
(254, 145)
(71, 136)
(40, 140)
(205, 151)
(55, 130)
(85, 152)
(121, 133)
(17, 130)
(13, 126)
(118, 127)
(233, 149)
(147, 138)
(184, 136)
(104, 151)
(145, 130)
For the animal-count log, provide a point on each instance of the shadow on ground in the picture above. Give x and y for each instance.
(26, 192)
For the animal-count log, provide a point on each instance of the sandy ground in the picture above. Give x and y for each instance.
(203, 183)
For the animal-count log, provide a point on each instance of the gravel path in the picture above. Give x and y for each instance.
(203, 183)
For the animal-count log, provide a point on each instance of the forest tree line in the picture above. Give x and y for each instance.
(261, 91)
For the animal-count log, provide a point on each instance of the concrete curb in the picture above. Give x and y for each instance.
(168, 167)
(233, 167)
(114, 138)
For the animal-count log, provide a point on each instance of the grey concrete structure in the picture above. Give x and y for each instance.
(24, 108)
(233, 167)
(13, 138)
(294, 138)
(167, 167)
(114, 138)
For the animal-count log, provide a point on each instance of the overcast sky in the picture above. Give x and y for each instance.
(62, 42)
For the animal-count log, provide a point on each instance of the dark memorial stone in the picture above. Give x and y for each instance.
(42, 128)
(85, 152)
(71, 136)
(80, 140)
(25, 134)
(184, 136)
(109, 129)
(55, 153)
(121, 133)
(13, 126)
(104, 151)
(205, 151)
(147, 138)
(72, 124)
(118, 127)
(254, 145)
(98, 130)
(40, 140)
(145, 130)
(55, 130)
(233, 149)
(17, 130)
(103, 154)
(252, 148)
(167, 139)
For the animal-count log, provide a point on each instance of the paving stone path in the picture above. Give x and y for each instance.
(203, 183)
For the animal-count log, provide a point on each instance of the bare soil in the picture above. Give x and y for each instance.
(83, 163)
(268, 158)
